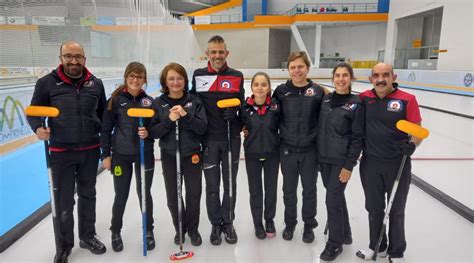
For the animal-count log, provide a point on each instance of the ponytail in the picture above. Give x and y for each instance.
(114, 96)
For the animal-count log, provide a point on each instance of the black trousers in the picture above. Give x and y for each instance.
(338, 217)
(71, 168)
(216, 166)
(270, 181)
(293, 165)
(377, 178)
(192, 175)
(122, 170)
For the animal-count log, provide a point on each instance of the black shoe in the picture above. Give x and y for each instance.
(150, 240)
(330, 253)
(308, 234)
(216, 235)
(229, 234)
(117, 244)
(94, 245)
(260, 232)
(176, 238)
(348, 240)
(270, 229)
(61, 256)
(288, 233)
(195, 237)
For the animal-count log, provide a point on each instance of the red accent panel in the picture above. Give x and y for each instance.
(413, 110)
(55, 149)
(368, 93)
(230, 84)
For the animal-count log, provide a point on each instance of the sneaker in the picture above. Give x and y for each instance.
(369, 254)
(150, 240)
(117, 243)
(347, 240)
(308, 234)
(196, 239)
(229, 234)
(260, 232)
(216, 235)
(330, 252)
(396, 260)
(288, 233)
(94, 245)
(270, 229)
(176, 238)
(61, 256)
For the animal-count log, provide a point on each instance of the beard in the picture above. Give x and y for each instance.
(73, 71)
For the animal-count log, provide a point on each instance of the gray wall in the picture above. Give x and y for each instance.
(248, 47)
(279, 47)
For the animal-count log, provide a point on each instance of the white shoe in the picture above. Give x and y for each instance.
(369, 254)
(396, 260)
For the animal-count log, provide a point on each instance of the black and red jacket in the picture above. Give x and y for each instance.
(119, 133)
(211, 86)
(299, 114)
(382, 138)
(81, 106)
(262, 123)
(340, 130)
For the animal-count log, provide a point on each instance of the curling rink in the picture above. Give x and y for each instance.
(434, 232)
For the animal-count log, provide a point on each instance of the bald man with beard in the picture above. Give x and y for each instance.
(74, 144)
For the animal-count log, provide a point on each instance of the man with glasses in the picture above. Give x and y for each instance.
(74, 144)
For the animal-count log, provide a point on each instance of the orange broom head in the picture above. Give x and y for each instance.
(139, 112)
(42, 111)
(228, 103)
(412, 129)
(181, 255)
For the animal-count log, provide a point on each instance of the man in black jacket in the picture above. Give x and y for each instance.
(300, 100)
(74, 143)
(213, 83)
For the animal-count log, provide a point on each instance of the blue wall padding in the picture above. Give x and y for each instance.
(23, 185)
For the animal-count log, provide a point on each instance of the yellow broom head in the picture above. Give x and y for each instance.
(140, 112)
(228, 103)
(42, 111)
(412, 129)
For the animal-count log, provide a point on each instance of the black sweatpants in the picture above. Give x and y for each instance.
(377, 178)
(216, 166)
(270, 177)
(338, 217)
(192, 174)
(294, 164)
(71, 168)
(122, 170)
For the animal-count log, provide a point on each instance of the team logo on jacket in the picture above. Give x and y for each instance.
(225, 84)
(146, 102)
(188, 105)
(88, 84)
(273, 107)
(395, 105)
(350, 106)
(309, 92)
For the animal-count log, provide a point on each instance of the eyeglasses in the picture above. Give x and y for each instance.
(133, 76)
(69, 57)
(175, 79)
